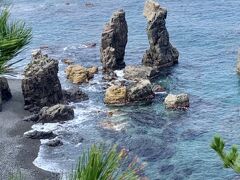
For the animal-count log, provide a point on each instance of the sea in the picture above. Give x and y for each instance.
(170, 144)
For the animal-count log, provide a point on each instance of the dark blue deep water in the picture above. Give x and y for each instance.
(172, 145)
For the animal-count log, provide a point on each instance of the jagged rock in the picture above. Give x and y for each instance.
(54, 142)
(157, 89)
(238, 62)
(116, 95)
(56, 113)
(140, 91)
(180, 101)
(40, 85)
(5, 92)
(68, 61)
(139, 72)
(79, 74)
(74, 95)
(33, 118)
(110, 76)
(161, 52)
(114, 41)
(137, 91)
(34, 134)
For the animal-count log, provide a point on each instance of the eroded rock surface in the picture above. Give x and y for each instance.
(40, 85)
(78, 74)
(139, 72)
(180, 101)
(34, 134)
(74, 95)
(161, 52)
(113, 43)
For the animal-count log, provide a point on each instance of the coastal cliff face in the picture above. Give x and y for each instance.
(161, 52)
(41, 86)
(114, 41)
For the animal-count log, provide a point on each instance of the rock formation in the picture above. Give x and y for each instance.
(180, 101)
(5, 93)
(139, 72)
(40, 85)
(74, 95)
(161, 52)
(113, 43)
(78, 74)
(137, 91)
(34, 134)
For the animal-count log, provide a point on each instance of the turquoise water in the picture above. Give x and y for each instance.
(173, 145)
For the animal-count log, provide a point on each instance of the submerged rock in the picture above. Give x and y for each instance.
(54, 142)
(74, 95)
(40, 85)
(136, 91)
(114, 41)
(161, 52)
(79, 74)
(139, 72)
(55, 113)
(34, 134)
(180, 101)
(5, 92)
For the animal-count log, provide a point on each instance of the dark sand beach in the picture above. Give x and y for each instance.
(16, 152)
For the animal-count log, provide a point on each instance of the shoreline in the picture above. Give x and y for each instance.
(17, 152)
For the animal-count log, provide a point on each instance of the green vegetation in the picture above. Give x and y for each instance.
(101, 164)
(230, 159)
(16, 176)
(14, 36)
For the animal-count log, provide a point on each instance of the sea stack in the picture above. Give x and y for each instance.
(40, 85)
(113, 43)
(161, 52)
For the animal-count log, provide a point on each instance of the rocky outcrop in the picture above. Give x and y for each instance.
(56, 113)
(180, 101)
(74, 95)
(137, 91)
(40, 85)
(113, 43)
(52, 114)
(34, 134)
(78, 74)
(140, 91)
(54, 142)
(139, 72)
(5, 92)
(161, 52)
(238, 62)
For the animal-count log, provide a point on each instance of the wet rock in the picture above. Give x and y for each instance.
(180, 101)
(113, 126)
(140, 91)
(79, 74)
(238, 62)
(68, 61)
(139, 72)
(116, 95)
(110, 76)
(74, 95)
(54, 142)
(5, 92)
(114, 41)
(137, 91)
(40, 85)
(157, 89)
(32, 118)
(56, 113)
(161, 52)
(90, 45)
(34, 134)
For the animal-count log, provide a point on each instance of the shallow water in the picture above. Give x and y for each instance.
(173, 145)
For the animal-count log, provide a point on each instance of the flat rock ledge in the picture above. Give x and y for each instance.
(161, 53)
(180, 101)
(56, 113)
(140, 72)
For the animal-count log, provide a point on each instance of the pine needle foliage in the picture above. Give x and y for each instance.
(101, 164)
(230, 159)
(14, 36)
